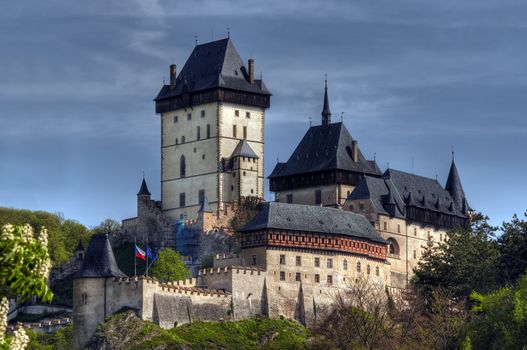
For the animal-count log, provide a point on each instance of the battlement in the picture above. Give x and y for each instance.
(43, 326)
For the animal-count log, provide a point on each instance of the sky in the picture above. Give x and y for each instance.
(411, 80)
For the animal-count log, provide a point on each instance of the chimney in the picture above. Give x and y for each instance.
(355, 150)
(173, 75)
(251, 71)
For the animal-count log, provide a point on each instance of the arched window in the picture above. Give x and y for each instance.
(393, 247)
(358, 266)
(345, 264)
(182, 166)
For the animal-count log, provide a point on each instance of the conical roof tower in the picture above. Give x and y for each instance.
(454, 187)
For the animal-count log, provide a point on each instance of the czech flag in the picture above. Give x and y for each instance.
(139, 253)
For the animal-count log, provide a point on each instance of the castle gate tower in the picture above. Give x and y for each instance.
(212, 131)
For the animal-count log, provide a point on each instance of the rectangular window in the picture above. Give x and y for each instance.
(415, 231)
(182, 199)
(385, 225)
(182, 139)
(298, 277)
(189, 116)
(317, 278)
(201, 196)
(175, 119)
(202, 114)
(398, 228)
(208, 131)
(415, 254)
(330, 279)
(282, 259)
(317, 262)
(289, 198)
(298, 261)
(244, 132)
(361, 206)
(234, 131)
(176, 141)
(253, 260)
(329, 264)
(282, 276)
(318, 197)
(236, 113)
(198, 133)
(247, 115)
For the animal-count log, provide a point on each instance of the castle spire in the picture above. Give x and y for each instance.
(326, 113)
(143, 191)
(454, 187)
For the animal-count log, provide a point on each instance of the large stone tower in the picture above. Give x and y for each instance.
(212, 131)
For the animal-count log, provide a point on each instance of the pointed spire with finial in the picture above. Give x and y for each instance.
(326, 113)
(143, 191)
(454, 187)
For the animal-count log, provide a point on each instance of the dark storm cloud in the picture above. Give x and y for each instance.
(412, 78)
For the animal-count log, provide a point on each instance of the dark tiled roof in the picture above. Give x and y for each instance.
(80, 246)
(296, 217)
(99, 260)
(405, 189)
(454, 187)
(243, 149)
(212, 65)
(143, 191)
(325, 148)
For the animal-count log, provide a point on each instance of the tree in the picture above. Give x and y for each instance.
(170, 267)
(24, 270)
(109, 226)
(500, 318)
(466, 262)
(512, 245)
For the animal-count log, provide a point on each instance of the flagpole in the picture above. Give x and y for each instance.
(135, 259)
(146, 253)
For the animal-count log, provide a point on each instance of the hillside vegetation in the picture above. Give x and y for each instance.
(126, 331)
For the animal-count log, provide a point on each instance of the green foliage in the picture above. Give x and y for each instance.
(170, 267)
(257, 333)
(24, 263)
(500, 318)
(465, 263)
(59, 340)
(466, 344)
(63, 235)
(512, 245)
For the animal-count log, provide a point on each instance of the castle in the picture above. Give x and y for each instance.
(336, 218)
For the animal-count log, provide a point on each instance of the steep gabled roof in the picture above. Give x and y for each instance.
(405, 189)
(99, 260)
(243, 149)
(325, 148)
(454, 187)
(307, 218)
(143, 191)
(212, 65)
